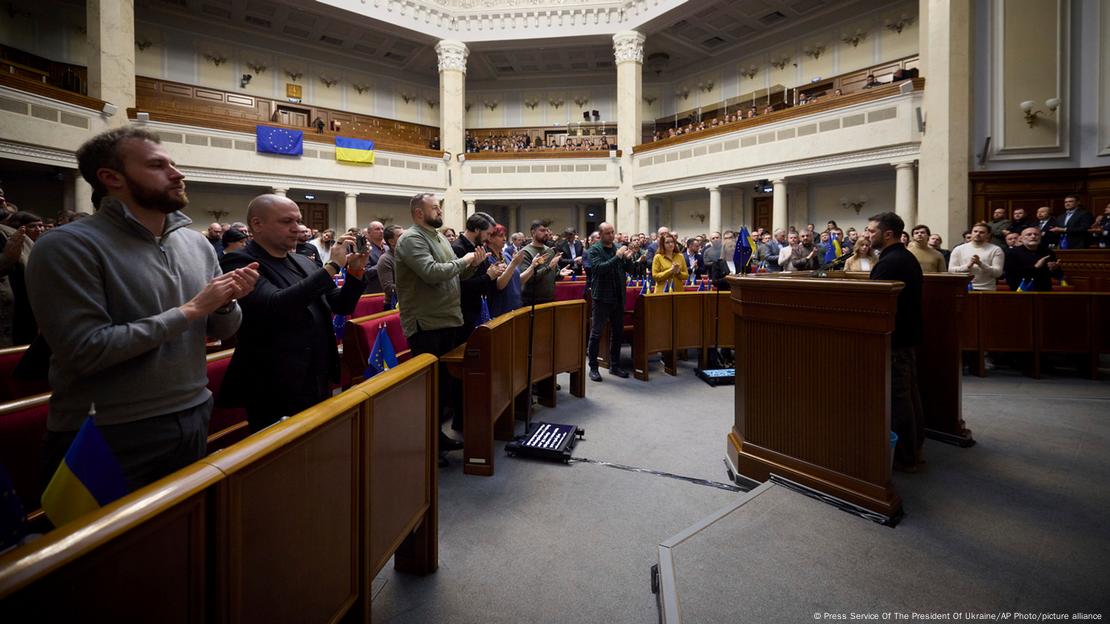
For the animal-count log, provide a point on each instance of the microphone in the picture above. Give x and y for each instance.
(835, 262)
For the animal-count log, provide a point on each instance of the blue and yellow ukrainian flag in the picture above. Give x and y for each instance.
(354, 150)
(87, 479)
(382, 356)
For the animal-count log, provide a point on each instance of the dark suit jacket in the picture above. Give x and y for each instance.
(473, 287)
(898, 264)
(373, 282)
(564, 248)
(1077, 227)
(1048, 237)
(286, 355)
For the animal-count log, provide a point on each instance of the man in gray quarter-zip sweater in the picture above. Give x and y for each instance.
(125, 300)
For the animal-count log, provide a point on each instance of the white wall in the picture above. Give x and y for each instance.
(824, 199)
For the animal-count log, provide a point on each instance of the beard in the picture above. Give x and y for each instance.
(163, 201)
(434, 223)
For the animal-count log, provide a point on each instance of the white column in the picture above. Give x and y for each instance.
(942, 186)
(279, 190)
(643, 223)
(471, 207)
(628, 50)
(610, 206)
(905, 193)
(452, 123)
(714, 209)
(111, 55)
(778, 205)
(350, 211)
(78, 195)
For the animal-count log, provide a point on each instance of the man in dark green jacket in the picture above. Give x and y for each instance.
(609, 265)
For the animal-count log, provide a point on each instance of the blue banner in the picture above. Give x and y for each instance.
(273, 140)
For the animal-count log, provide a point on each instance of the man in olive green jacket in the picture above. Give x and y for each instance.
(427, 275)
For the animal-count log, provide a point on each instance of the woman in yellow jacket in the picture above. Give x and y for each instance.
(669, 266)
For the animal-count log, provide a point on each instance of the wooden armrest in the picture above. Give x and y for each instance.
(454, 356)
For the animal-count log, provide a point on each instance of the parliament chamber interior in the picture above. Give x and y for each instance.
(669, 311)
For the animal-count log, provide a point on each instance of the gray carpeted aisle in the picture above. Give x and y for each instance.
(1017, 523)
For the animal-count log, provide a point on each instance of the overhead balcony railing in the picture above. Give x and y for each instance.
(876, 127)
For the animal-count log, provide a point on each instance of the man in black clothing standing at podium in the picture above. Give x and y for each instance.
(896, 263)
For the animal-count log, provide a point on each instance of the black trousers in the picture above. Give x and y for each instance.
(907, 417)
(603, 313)
(438, 342)
(146, 449)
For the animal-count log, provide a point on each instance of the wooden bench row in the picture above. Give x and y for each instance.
(291, 524)
(1036, 323)
(493, 367)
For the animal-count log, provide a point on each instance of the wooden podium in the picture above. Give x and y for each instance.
(813, 385)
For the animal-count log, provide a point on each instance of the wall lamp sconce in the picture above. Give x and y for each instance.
(447, 156)
(581, 101)
(706, 87)
(700, 216)
(293, 76)
(856, 205)
(461, 157)
(556, 103)
(467, 106)
(215, 58)
(532, 103)
(490, 104)
(329, 82)
(781, 62)
(407, 97)
(431, 102)
(815, 50)
(650, 99)
(854, 38)
(244, 81)
(257, 68)
(143, 44)
(751, 72)
(897, 26)
(361, 88)
(1031, 115)
(683, 92)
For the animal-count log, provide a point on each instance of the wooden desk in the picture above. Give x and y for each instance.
(780, 424)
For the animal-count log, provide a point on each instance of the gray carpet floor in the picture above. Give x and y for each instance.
(1020, 522)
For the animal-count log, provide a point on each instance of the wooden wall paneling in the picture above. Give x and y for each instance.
(1086, 269)
(688, 316)
(287, 518)
(1005, 322)
(150, 545)
(1062, 323)
(1031, 189)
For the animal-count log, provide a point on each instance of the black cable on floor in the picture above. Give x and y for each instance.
(729, 487)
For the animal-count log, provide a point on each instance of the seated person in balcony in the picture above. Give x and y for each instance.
(1031, 263)
(863, 257)
(983, 260)
(668, 267)
(871, 82)
(931, 260)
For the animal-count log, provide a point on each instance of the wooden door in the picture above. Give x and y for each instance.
(314, 215)
(761, 212)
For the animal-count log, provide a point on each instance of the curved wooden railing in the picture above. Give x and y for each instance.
(793, 112)
(50, 91)
(539, 154)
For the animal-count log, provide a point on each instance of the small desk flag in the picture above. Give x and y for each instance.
(382, 357)
(88, 478)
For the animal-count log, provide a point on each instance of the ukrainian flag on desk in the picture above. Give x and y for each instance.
(354, 150)
(382, 357)
(88, 478)
(283, 141)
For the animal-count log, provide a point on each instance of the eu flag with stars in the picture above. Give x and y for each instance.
(483, 313)
(382, 357)
(279, 140)
(338, 325)
(745, 245)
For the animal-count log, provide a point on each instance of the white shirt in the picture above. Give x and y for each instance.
(984, 276)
